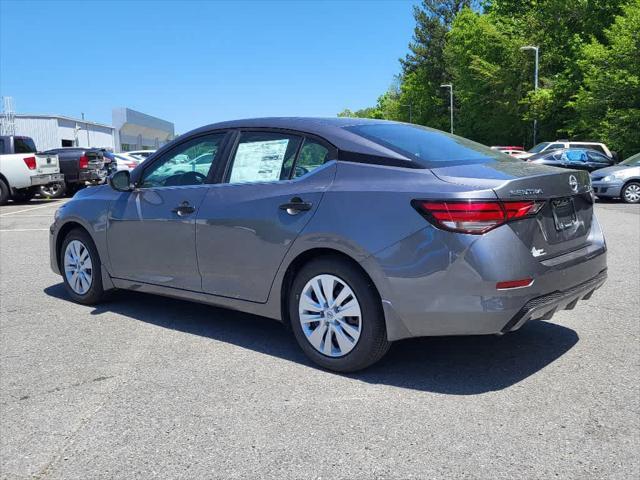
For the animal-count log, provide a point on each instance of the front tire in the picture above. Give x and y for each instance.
(80, 267)
(23, 196)
(336, 316)
(631, 193)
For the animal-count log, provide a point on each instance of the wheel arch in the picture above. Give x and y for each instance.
(63, 232)
(305, 257)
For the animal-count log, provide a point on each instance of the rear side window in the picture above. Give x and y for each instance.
(312, 155)
(428, 147)
(24, 145)
(263, 157)
(593, 146)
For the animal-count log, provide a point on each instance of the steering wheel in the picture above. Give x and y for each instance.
(300, 171)
(192, 178)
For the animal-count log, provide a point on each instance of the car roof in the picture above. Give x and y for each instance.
(331, 129)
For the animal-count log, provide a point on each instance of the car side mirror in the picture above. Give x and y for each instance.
(120, 181)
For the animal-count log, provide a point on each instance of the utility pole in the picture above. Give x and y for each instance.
(535, 85)
(450, 87)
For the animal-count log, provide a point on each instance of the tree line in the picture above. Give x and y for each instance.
(589, 71)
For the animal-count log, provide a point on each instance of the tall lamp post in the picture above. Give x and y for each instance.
(535, 83)
(410, 110)
(450, 87)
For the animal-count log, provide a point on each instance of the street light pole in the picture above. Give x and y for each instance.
(410, 110)
(450, 87)
(535, 85)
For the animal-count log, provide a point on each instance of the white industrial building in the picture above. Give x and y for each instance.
(131, 130)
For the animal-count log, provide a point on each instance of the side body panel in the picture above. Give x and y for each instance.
(149, 242)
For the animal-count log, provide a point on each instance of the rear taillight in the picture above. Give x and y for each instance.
(84, 161)
(474, 216)
(30, 162)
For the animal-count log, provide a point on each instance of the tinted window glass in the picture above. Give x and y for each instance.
(555, 145)
(24, 145)
(1, 145)
(598, 157)
(539, 147)
(634, 160)
(187, 164)
(592, 146)
(426, 145)
(312, 155)
(263, 157)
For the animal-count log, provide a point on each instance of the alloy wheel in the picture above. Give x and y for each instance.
(78, 269)
(330, 315)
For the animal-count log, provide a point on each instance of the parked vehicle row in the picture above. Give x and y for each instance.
(566, 144)
(353, 232)
(23, 171)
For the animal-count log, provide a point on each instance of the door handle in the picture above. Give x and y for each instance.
(295, 206)
(184, 209)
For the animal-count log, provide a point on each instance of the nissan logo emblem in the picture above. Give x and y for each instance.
(573, 183)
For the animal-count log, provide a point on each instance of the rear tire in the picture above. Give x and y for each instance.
(82, 279)
(4, 192)
(631, 193)
(366, 328)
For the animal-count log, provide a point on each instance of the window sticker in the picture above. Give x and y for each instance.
(259, 161)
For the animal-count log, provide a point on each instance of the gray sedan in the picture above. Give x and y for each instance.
(354, 233)
(620, 181)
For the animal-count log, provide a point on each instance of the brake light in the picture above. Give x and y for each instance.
(84, 161)
(474, 216)
(30, 162)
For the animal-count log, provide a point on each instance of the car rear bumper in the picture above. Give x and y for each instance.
(46, 179)
(432, 286)
(92, 176)
(543, 308)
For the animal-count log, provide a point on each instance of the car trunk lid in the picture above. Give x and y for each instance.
(564, 221)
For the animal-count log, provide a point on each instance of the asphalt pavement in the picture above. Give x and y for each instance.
(150, 387)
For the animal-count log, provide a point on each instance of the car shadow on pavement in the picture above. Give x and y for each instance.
(468, 365)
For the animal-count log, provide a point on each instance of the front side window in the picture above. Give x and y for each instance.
(633, 161)
(263, 157)
(187, 164)
(597, 157)
(312, 155)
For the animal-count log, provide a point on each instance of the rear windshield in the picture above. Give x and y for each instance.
(24, 145)
(427, 146)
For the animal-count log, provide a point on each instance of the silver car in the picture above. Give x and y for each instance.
(354, 233)
(620, 181)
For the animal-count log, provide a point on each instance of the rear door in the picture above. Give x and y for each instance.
(272, 187)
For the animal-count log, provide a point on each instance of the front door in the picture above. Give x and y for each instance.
(151, 231)
(246, 225)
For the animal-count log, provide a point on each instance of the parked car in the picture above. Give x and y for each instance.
(353, 232)
(80, 166)
(620, 181)
(505, 148)
(558, 144)
(575, 158)
(143, 154)
(22, 170)
(121, 161)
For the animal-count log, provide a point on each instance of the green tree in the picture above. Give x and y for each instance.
(607, 104)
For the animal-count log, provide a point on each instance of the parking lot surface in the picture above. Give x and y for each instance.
(150, 387)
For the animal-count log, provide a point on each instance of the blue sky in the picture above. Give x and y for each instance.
(197, 62)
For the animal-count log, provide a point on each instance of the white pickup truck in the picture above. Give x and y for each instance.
(23, 171)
